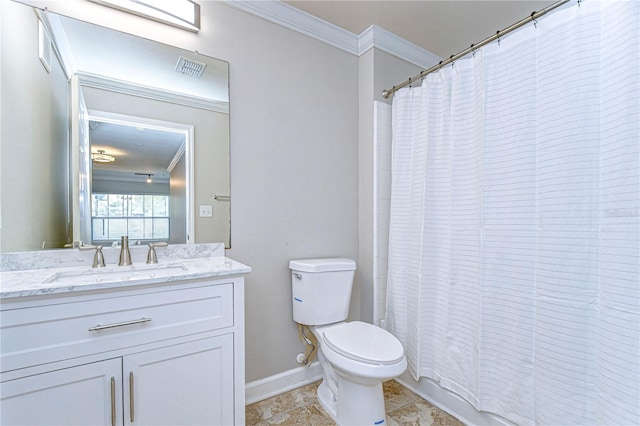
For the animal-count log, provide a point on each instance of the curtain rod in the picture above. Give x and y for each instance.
(497, 35)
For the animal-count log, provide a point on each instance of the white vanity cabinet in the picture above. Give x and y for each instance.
(153, 354)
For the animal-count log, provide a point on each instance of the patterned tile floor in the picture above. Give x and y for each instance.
(301, 407)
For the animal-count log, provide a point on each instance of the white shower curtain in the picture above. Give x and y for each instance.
(514, 259)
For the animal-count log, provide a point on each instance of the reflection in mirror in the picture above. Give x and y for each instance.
(139, 184)
(108, 80)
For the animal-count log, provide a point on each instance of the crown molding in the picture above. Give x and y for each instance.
(114, 85)
(373, 37)
(176, 158)
(389, 42)
(288, 16)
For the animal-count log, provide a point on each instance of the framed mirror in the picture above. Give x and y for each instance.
(72, 90)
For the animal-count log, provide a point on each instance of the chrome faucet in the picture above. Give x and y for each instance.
(151, 256)
(125, 256)
(98, 258)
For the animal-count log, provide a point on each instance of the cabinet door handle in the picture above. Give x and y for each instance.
(131, 409)
(119, 324)
(113, 401)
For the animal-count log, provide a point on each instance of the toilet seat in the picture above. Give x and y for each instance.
(363, 342)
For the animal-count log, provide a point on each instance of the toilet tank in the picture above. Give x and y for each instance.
(321, 289)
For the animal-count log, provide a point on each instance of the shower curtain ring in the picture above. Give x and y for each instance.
(498, 34)
(473, 51)
(535, 21)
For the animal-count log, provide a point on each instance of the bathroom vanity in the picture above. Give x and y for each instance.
(132, 345)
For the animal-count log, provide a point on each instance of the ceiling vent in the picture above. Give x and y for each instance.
(190, 67)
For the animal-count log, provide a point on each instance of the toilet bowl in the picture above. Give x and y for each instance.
(355, 357)
(362, 350)
(362, 357)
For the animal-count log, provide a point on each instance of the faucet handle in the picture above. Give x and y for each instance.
(151, 256)
(98, 258)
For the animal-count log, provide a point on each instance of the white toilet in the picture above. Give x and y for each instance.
(355, 357)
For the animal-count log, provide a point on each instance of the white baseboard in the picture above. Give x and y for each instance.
(451, 402)
(274, 385)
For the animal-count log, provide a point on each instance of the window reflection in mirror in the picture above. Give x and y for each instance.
(143, 217)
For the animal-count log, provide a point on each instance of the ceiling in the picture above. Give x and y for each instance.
(441, 27)
(137, 149)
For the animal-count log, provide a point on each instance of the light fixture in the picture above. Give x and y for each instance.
(179, 13)
(101, 157)
(148, 175)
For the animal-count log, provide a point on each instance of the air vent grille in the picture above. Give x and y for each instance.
(190, 67)
(45, 47)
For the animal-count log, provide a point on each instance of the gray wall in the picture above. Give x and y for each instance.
(106, 186)
(34, 201)
(294, 159)
(178, 202)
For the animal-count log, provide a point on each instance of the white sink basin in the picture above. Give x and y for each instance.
(116, 274)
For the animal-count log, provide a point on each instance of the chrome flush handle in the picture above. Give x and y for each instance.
(298, 276)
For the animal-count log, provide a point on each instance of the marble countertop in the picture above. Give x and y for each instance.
(46, 280)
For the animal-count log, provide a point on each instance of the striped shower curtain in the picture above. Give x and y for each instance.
(514, 259)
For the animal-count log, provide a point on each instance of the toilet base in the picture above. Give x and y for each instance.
(356, 403)
(327, 400)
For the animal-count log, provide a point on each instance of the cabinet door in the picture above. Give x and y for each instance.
(89, 394)
(185, 384)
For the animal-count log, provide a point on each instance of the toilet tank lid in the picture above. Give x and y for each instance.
(322, 265)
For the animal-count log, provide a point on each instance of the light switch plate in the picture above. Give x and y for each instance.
(206, 211)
